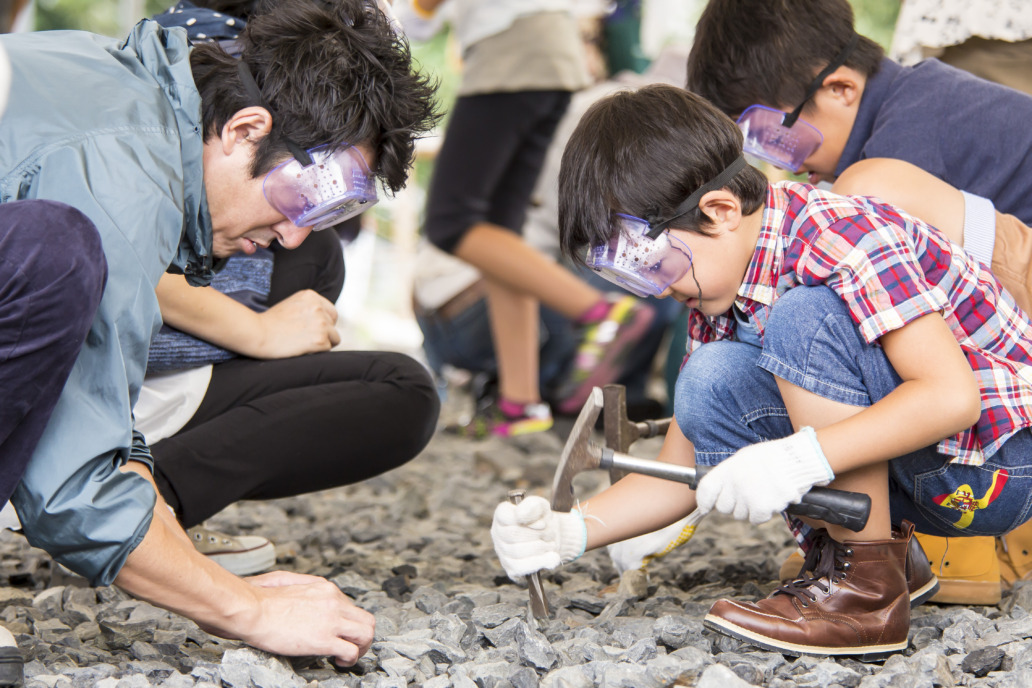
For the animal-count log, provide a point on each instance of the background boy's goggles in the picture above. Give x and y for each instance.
(780, 138)
(767, 137)
(336, 186)
(642, 265)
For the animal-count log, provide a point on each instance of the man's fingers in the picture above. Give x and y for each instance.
(334, 336)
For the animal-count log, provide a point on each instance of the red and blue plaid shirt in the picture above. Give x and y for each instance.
(890, 269)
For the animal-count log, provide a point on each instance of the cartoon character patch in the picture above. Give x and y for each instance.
(963, 498)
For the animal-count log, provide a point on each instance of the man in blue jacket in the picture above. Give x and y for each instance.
(148, 155)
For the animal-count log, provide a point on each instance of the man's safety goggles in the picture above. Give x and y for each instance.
(318, 187)
(642, 256)
(780, 138)
(334, 186)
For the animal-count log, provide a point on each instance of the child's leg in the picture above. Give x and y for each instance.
(514, 327)
(857, 601)
(503, 256)
(806, 408)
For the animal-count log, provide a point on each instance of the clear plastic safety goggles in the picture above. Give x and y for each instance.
(780, 138)
(636, 262)
(334, 186)
(318, 187)
(642, 256)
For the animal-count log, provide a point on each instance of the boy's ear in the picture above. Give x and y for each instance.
(844, 85)
(722, 208)
(247, 125)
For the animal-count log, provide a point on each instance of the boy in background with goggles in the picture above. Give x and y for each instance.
(833, 341)
(812, 96)
(168, 153)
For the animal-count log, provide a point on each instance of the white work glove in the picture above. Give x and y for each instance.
(762, 479)
(639, 552)
(529, 536)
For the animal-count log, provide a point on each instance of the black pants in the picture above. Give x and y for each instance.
(269, 429)
(52, 276)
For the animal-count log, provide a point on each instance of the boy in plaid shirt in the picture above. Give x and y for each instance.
(833, 341)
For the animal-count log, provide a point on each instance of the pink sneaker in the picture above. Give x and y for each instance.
(601, 354)
(492, 421)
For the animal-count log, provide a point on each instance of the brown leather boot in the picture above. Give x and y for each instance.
(855, 603)
(922, 583)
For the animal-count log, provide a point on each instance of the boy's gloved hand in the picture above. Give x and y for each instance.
(639, 552)
(762, 479)
(529, 536)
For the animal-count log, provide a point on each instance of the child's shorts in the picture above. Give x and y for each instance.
(1012, 259)
(493, 152)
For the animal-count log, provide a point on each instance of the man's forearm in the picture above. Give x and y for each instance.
(168, 571)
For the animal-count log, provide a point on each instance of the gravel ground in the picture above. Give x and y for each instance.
(413, 547)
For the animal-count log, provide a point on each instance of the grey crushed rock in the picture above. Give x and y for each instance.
(458, 622)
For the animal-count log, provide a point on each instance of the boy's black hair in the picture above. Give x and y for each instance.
(330, 73)
(643, 153)
(768, 51)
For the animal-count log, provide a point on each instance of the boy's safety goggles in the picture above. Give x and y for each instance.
(318, 187)
(780, 138)
(636, 262)
(642, 256)
(335, 185)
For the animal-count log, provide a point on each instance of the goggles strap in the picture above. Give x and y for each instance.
(255, 93)
(818, 81)
(690, 203)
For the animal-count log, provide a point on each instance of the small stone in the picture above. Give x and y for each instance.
(569, 677)
(396, 587)
(247, 668)
(14, 597)
(633, 583)
(495, 614)
(523, 677)
(982, 661)
(533, 648)
(352, 584)
(719, 676)
(50, 601)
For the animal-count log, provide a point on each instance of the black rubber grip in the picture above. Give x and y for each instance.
(848, 509)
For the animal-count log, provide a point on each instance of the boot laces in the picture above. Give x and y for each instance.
(826, 561)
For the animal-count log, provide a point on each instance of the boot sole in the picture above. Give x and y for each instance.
(11, 672)
(868, 653)
(925, 593)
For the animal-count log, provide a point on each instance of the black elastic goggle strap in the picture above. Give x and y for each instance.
(692, 202)
(255, 93)
(818, 81)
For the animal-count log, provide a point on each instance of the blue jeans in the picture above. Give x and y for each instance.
(465, 342)
(727, 398)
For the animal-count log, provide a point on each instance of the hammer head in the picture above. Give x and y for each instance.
(577, 455)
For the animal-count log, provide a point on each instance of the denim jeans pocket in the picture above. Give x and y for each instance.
(975, 500)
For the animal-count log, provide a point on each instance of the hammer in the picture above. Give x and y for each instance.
(848, 509)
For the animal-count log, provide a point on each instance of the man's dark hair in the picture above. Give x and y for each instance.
(329, 73)
(241, 9)
(768, 51)
(643, 153)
